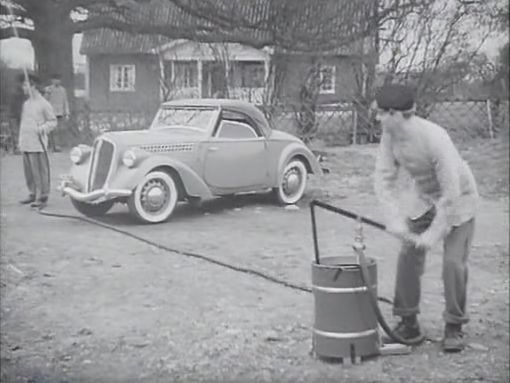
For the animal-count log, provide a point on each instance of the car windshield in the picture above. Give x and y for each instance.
(188, 119)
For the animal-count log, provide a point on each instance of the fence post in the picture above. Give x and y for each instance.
(354, 125)
(489, 117)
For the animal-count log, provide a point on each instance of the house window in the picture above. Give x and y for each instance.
(327, 79)
(248, 74)
(122, 78)
(186, 74)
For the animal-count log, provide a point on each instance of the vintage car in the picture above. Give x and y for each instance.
(194, 150)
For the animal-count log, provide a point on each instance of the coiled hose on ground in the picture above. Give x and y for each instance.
(363, 267)
(363, 263)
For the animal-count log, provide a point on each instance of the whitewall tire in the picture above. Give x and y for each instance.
(155, 198)
(292, 183)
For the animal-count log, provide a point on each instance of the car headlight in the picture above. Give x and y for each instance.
(79, 153)
(76, 155)
(129, 158)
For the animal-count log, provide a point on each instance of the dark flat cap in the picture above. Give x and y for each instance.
(396, 97)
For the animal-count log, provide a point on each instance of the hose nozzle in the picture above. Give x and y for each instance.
(359, 239)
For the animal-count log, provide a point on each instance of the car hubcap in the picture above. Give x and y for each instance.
(291, 181)
(154, 196)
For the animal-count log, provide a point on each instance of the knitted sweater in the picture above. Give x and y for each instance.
(440, 176)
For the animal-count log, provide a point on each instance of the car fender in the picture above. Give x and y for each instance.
(191, 181)
(297, 149)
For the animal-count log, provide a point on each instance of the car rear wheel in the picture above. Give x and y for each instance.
(92, 209)
(292, 183)
(155, 198)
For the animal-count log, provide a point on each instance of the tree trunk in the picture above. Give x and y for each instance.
(52, 43)
(367, 128)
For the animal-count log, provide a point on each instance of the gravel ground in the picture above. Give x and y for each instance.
(81, 303)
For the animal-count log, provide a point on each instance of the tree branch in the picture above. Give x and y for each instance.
(16, 11)
(69, 5)
(205, 31)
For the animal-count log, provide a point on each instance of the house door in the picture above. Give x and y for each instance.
(214, 80)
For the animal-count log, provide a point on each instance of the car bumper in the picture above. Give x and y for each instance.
(67, 187)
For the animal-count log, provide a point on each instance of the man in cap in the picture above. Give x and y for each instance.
(37, 120)
(445, 197)
(57, 96)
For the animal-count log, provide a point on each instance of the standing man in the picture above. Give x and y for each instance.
(37, 121)
(446, 195)
(57, 96)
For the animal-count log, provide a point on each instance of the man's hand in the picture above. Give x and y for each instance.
(401, 230)
(41, 129)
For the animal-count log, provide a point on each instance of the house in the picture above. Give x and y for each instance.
(127, 72)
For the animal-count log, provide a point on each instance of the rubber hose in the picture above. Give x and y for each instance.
(189, 254)
(373, 300)
(217, 262)
(46, 157)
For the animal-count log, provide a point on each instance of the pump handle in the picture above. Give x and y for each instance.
(337, 210)
(348, 214)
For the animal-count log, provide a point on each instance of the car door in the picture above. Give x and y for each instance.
(235, 157)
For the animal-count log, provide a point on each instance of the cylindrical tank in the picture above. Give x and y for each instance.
(345, 323)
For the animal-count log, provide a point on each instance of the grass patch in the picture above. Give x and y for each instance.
(352, 168)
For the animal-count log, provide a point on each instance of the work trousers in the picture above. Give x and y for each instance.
(411, 266)
(37, 174)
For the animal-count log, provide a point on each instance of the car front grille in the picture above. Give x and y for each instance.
(101, 164)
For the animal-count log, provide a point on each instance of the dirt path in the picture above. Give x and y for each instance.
(81, 303)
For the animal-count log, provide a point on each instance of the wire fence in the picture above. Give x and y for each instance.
(466, 120)
(88, 124)
(336, 125)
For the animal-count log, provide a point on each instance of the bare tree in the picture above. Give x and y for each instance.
(434, 43)
(298, 25)
(50, 25)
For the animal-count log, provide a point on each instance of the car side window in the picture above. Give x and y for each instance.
(235, 130)
(230, 115)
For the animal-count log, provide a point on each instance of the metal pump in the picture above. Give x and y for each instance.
(345, 324)
(347, 313)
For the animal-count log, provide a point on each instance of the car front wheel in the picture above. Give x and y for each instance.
(92, 209)
(155, 198)
(292, 183)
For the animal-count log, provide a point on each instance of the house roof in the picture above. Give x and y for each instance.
(117, 42)
(262, 20)
(159, 13)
